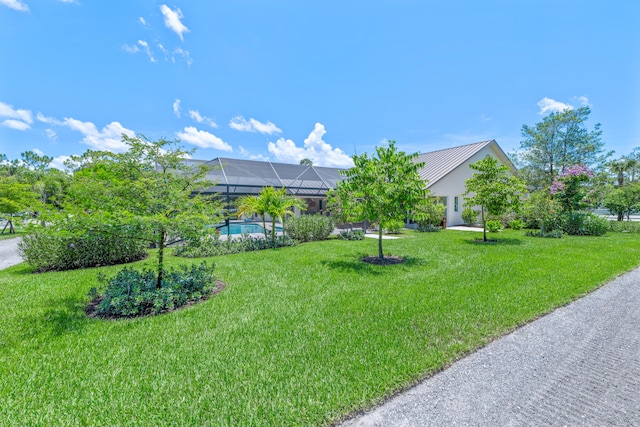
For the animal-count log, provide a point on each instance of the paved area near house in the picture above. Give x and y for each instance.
(578, 366)
(9, 253)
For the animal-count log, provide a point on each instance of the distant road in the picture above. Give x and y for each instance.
(9, 253)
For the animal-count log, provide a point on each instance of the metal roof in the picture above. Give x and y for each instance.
(238, 176)
(437, 164)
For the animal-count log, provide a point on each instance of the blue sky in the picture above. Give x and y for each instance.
(283, 80)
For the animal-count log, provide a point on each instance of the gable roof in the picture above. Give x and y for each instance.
(438, 164)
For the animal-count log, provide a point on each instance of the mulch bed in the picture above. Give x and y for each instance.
(92, 308)
(388, 260)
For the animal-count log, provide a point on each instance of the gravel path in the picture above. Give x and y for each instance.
(9, 253)
(578, 366)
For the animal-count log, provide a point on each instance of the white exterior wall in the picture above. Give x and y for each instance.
(453, 184)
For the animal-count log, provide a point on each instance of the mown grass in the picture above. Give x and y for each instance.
(300, 336)
(6, 234)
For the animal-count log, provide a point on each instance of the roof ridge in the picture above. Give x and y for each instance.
(485, 142)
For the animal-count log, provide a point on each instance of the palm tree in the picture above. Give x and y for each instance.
(282, 205)
(250, 205)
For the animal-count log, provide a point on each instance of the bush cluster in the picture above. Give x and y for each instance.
(48, 250)
(309, 228)
(554, 234)
(494, 225)
(426, 227)
(624, 226)
(212, 245)
(516, 224)
(351, 235)
(134, 293)
(393, 226)
(470, 216)
(584, 224)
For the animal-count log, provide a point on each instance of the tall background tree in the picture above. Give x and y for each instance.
(492, 188)
(382, 188)
(558, 142)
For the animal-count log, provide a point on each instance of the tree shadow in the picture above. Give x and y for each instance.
(60, 316)
(361, 267)
(510, 241)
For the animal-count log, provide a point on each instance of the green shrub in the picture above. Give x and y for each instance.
(624, 226)
(584, 224)
(554, 234)
(309, 228)
(49, 250)
(431, 211)
(393, 226)
(428, 228)
(516, 224)
(493, 225)
(351, 235)
(134, 293)
(212, 245)
(469, 216)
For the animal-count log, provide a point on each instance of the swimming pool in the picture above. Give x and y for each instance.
(244, 228)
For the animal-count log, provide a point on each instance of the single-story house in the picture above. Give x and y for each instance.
(445, 172)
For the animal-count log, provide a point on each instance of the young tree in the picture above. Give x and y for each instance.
(149, 189)
(384, 187)
(623, 201)
(493, 189)
(15, 198)
(559, 141)
(281, 206)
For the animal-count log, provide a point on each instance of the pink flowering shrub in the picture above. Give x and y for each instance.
(569, 187)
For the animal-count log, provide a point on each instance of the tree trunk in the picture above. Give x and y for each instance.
(484, 224)
(264, 227)
(380, 254)
(160, 259)
(620, 216)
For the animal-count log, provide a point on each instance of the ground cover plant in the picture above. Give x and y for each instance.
(301, 335)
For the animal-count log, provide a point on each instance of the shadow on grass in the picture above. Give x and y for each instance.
(358, 266)
(60, 317)
(510, 241)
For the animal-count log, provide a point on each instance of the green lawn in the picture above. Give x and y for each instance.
(300, 336)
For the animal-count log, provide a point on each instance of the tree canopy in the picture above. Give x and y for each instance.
(381, 188)
(559, 141)
(149, 189)
(493, 188)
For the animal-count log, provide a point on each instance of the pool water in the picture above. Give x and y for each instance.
(247, 228)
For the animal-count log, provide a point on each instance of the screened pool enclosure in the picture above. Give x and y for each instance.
(236, 177)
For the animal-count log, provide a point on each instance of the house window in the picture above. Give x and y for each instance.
(455, 204)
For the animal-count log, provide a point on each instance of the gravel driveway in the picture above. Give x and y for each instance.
(578, 366)
(9, 253)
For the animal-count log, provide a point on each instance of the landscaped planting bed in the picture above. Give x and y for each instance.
(300, 335)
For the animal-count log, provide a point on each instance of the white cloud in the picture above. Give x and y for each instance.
(50, 120)
(176, 107)
(184, 54)
(58, 162)
(51, 134)
(245, 153)
(141, 46)
(548, 105)
(16, 5)
(16, 124)
(315, 149)
(109, 138)
(203, 139)
(38, 151)
(69, 1)
(197, 117)
(9, 112)
(172, 20)
(143, 21)
(583, 100)
(147, 50)
(241, 124)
